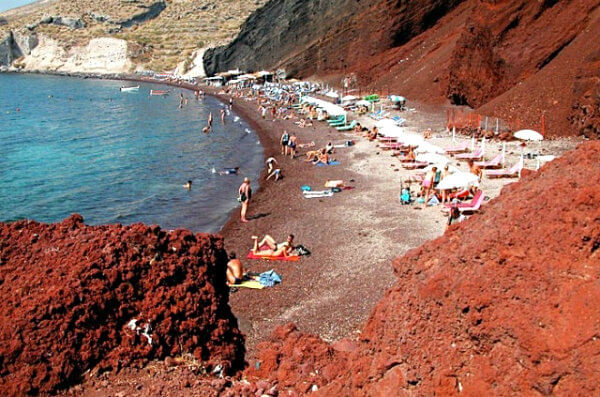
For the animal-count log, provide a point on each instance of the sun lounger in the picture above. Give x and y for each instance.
(470, 206)
(392, 145)
(494, 163)
(512, 172)
(387, 139)
(414, 165)
(458, 149)
(291, 258)
(477, 155)
(459, 195)
(336, 120)
(399, 120)
(347, 127)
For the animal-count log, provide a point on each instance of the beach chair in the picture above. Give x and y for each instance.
(512, 172)
(387, 139)
(458, 149)
(494, 163)
(470, 206)
(414, 165)
(347, 127)
(477, 155)
(337, 119)
(399, 121)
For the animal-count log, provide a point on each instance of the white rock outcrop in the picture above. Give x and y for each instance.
(103, 55)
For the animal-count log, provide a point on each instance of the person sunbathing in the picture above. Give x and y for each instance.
(312, 156)
(274, 249)
(235, 270)
(409, 158)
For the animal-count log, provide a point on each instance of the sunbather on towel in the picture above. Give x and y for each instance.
(275, 249)
(235, 270)
(410, 157)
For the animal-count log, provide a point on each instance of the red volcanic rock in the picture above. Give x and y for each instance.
(505, 303)
(69, 293)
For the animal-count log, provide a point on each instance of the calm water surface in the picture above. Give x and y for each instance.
(82, 146)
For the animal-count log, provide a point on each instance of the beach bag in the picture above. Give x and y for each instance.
(302, 250)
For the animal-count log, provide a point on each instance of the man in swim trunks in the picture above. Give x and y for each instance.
(245, 193)
(276, 173)
(292, 144)
(235, 270)
(274, 249)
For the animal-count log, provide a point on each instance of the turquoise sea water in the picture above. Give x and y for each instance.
(82, 146)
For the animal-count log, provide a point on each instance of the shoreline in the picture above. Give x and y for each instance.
(353, 236)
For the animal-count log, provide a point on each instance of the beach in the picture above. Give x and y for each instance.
(353, 236)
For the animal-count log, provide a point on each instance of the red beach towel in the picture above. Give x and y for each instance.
(292, 258)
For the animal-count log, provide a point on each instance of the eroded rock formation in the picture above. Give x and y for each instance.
(505, 303)
(76, 298)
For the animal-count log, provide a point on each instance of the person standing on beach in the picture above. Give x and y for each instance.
(285, 139)
(245, 194)
(223, 116)
(180, 100)
(292, 144)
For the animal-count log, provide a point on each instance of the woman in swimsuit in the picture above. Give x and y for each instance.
(281, 249)
(245, 192)
(285, 138)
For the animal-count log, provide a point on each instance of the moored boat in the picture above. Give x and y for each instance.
(130, 89)
(159, 92)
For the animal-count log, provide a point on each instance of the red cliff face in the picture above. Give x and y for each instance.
(514, 59)
(506, 303)
(68, 293)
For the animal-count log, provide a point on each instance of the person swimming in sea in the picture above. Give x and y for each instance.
(188, 185)
(229, 171)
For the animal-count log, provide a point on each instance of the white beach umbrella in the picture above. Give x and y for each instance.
(458, 180)
(411, 139)
(433, 158)
(427, 147)
(528, 135)
(349, 98)
(332, 94)
(451, 169)
(362, 102)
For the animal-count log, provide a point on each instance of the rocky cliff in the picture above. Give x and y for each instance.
(158, 34)
(514, 59)
(323, 37)
(75, 298)
(503, 304)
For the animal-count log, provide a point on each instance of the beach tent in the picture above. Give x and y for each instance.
(458, 180)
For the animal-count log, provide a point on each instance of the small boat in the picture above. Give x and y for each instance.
(130, 89)
(159, 92)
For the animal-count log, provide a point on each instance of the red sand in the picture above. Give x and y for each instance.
(505, 303)
(69, 290)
